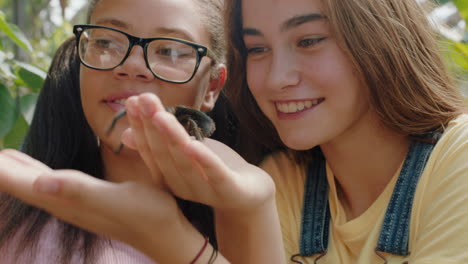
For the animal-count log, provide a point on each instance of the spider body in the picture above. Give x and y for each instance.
(197, 123)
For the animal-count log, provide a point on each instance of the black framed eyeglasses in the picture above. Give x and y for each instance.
(169, 59)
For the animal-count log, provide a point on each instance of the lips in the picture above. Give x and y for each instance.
(117, 101)
(291, 107)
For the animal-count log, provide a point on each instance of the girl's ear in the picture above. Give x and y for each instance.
(217, 82)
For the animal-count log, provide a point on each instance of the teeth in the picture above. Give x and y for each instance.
(294, 107)
(300, 106)
(120, 101)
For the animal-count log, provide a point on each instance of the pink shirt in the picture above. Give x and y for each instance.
(114, 252)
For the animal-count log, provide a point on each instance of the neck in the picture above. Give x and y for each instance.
(363, 162)
(124, 166)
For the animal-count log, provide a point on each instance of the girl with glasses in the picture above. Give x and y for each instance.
(369, 132)
(174, 49)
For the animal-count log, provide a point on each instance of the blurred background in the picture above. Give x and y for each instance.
(31, 31)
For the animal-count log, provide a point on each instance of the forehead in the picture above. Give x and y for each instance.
(273, 13)
(151, 18)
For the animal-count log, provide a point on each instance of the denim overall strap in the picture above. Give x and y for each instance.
(316, 212)
(394, 235)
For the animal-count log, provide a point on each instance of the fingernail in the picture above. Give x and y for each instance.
(158, 122)
(49, 186)
(132, 111)
(146, 108)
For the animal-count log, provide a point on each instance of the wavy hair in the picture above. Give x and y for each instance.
(394, 51)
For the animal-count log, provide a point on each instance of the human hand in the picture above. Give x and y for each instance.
(208, 172)
(142, 215)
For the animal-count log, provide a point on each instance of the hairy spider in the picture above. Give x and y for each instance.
(197, 123)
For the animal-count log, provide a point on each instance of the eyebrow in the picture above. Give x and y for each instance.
(287, 25)
(112, 21)
(299, 20)
(179, 33)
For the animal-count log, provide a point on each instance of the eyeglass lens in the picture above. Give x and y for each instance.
(168, 59)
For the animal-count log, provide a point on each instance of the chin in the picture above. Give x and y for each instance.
(299, 142)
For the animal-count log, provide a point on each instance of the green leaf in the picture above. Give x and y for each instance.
(462, 6)
(16, 135)
(460, 55)
(7, 111)
(6, 71)
(32, 76)
(14, 33)
(28, 105)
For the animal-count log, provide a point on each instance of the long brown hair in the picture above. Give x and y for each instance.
(394, 51)
(258, 135)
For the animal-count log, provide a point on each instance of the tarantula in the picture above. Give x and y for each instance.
(197, 123)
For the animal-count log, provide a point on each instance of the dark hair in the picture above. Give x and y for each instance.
(410, 87)
(58, 118)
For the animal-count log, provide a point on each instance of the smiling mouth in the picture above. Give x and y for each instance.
(297, 106)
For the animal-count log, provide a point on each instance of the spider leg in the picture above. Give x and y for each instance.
(119, 148)
(117, 117)
(193, 129)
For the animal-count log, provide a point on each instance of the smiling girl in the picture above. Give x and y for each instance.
(359, 94)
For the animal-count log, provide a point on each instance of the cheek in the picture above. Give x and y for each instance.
(255, 73)
(88, 89)
(333, 74)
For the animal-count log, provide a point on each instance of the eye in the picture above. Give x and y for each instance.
(103, 43)
(165, 51)
(309, 42)
(255, 51)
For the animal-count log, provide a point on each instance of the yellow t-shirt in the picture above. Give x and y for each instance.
(439, 219)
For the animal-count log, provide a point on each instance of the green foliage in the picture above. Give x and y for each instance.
(7, 111)
(19, 84)
(14, 138)
(30, 76)
(14, 33)
(462, 6)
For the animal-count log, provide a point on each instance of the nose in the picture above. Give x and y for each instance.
(284, 70)
(134, 67)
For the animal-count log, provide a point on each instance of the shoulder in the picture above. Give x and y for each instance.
(440, 221)
(456, 132)
(444, 182)
(451, 152)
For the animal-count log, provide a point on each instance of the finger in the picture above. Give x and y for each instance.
(150, 104)
(72, 185)
(17, 173)
(176, 135)
(24, 159)
(192, 177)
(128, 139)
(138, 134)
(215, 170)
(114, 209)
(157, 141)
(82, 200)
